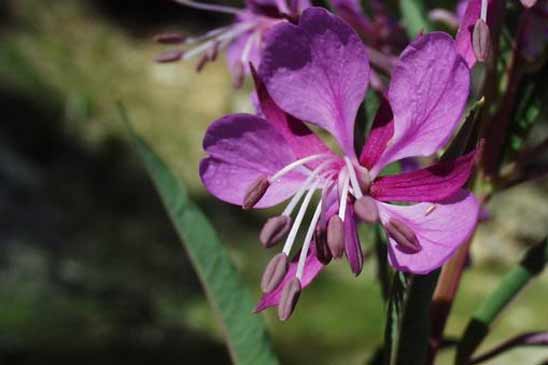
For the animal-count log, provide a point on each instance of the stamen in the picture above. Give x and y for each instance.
(169, 56)
(294, 165)
(353, 179)
(483, 15)
(298, 220)
(481, 40)
(322, 249)
(282, 6)
(366, 209)
(335, 236)
(293, 202)
(210, 7)
(307, 240)
(170, 38)
(255, 192)
(274, 229)
(288, 300)
(202, 63)
(210, 34)
(274, 272)
(406, 239)
(344, 196)
(219, 40)
(247, 48)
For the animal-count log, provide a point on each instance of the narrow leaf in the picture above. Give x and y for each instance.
(245, 333)
(511, 285)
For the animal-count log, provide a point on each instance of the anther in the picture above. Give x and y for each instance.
(255, 192)
(401, 233)
(528, 3)
(481, 40)
(322, 249)
(335, 236)
(170, 38)
(274, 272)
(364, 179)
(366, 209)
(202, 62)
(288, 301)
(274, 229)
(169, 56)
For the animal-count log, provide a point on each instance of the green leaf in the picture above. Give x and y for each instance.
(245, 332)
(408, 325)
(393, 318)
(511, 285)
(415, 17)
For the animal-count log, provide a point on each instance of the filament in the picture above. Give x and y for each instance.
(298, 220)
(307, 240)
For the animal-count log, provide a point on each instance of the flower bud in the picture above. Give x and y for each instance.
(481, 40)
(403, 235)
(335, 236)
(274, 272)
(274, 229)
(255, 192)
(366, 209)
(288, 300)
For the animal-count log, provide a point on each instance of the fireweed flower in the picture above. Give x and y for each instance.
(243, 39)
(318, 71)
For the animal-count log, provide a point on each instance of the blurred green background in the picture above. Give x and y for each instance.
(90, 268)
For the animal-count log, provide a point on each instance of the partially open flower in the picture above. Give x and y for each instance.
(242, 40)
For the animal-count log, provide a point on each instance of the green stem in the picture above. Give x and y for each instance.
(511, 285)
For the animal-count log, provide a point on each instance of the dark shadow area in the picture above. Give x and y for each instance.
(84, 230)
(142, 17)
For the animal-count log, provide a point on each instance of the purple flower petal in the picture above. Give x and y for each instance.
(312, 268)
(242, 148)
(428, 93)
(300, 138)
(440, 228)
(433, 183)
(318, 72)
(381, 133)
(352, 245)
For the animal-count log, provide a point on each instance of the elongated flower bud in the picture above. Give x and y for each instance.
(404, 236)
(322, 249)
(255, 192)
(481, 40)
(366, 209)
(170, 56)
(274, 229)
(335, 236)
(274, 272)
(289, 298)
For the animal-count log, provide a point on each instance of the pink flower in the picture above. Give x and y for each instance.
(243, 40)
(318, 71)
